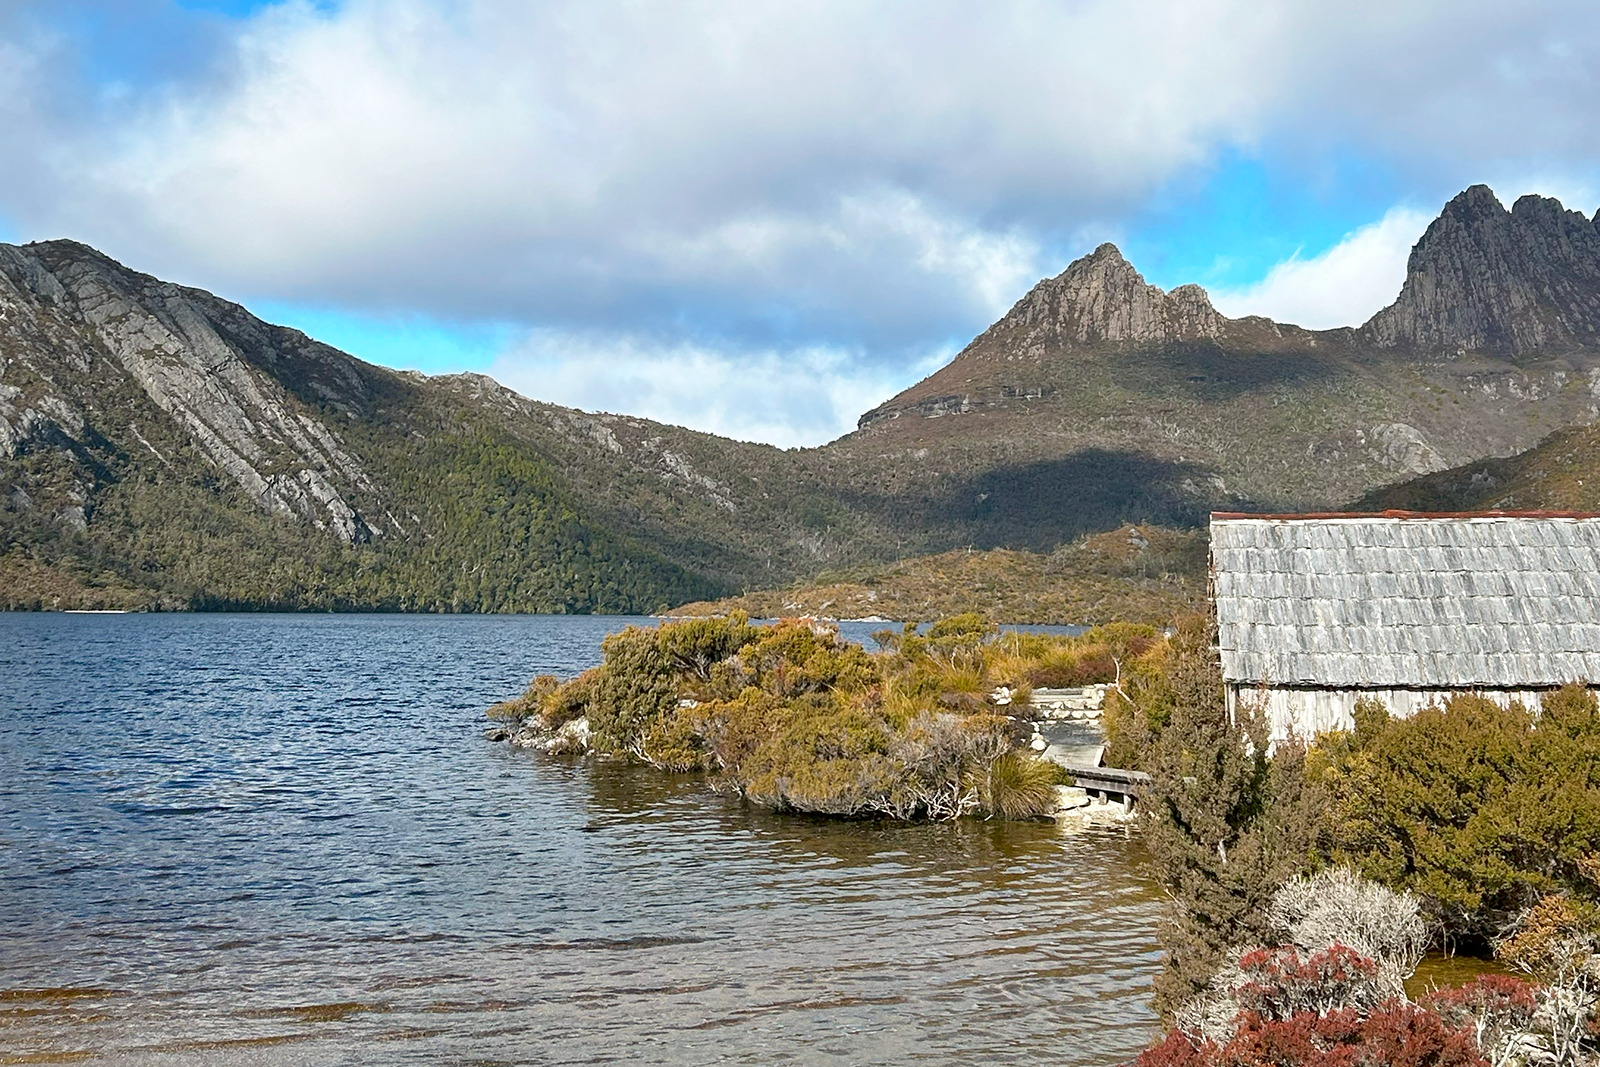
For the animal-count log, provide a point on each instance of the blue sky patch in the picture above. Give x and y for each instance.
(403, 342)
(1227, 225)
(237, 9)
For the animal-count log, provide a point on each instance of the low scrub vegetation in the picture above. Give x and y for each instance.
(1141, 573)
(28, 584)
(795, 718)
(1305, 884)
(1481, 808)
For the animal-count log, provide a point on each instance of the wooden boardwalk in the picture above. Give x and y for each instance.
(1109, 782)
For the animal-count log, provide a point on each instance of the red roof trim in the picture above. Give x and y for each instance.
(1411, 515)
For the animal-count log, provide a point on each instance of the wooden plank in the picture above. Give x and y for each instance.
(1110, 780)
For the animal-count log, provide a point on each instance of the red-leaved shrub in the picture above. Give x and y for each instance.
(1396, 1034)
(1327, 1010)
(1487, 996)
(1278, 984)
(1088, 667)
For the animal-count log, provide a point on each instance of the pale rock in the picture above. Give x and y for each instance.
(1101, 297)
(1069, 797)
(165, 338)
(1404, 448)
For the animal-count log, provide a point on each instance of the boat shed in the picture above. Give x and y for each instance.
(1318, 611)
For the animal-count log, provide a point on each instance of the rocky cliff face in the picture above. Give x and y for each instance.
(1509, 283)
(1101, 298)
(66, 308)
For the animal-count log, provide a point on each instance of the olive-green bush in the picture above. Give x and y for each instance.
(795, 718)
(1480, 808)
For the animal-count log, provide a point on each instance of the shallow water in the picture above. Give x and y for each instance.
(280, 839)
(1440, 971)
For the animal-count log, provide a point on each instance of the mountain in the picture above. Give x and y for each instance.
(1561, 473)
(1513, 283)
(161, 446)
(1100, 398)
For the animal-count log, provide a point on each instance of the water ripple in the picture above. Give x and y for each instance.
(263, 839)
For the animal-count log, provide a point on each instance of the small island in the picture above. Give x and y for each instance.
(793, 717)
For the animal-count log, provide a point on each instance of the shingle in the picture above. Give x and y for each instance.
(1437, 603)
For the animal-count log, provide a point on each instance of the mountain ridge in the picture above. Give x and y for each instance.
(170, 439)
(1483, 278)
(1246, 413)
(157, 441)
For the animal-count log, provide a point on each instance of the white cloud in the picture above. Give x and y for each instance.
(877, 169)
(790, 398)
(726, 180)
(1575, 191)
(1343, 286)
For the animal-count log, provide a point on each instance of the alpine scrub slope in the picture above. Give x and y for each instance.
(1561, 473)
(1138, 574)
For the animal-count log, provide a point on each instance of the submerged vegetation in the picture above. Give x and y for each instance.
(795, 718)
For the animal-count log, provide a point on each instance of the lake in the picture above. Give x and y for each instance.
(231, 839)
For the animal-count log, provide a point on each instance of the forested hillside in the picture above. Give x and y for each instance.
(161, 447)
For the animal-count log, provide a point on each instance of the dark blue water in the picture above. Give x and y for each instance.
(281, 839)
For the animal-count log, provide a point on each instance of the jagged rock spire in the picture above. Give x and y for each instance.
(1508, 282)
(1100, 297)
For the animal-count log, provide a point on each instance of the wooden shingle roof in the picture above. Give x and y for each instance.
(1501, 601)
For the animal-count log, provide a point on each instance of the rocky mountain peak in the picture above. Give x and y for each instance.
(196, 359)
(1474, 202)
(1101, 297)
(1484, 279)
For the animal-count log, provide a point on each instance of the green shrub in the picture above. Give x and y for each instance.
(821, 758)
(795, 718)
(694, 646)
(1153, 682)
(529, 703)
(564, 703)
(681, 742)
(1480, 808)
(633, 688)
(1226, 825)
(795, 656)
(967, 626)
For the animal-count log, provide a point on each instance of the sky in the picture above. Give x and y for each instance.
(760, 219)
